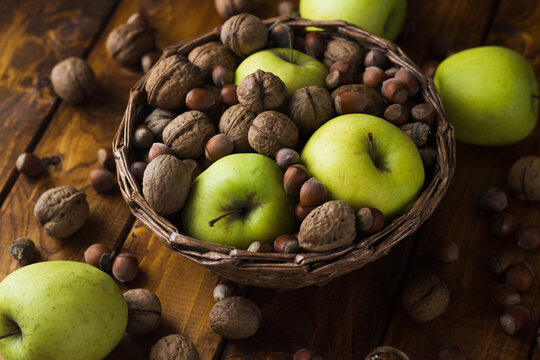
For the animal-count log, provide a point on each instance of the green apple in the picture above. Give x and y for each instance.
(366, 161)
(60, 310)
(304, 70)
(490, 95)
(380, 17)
(239, 199)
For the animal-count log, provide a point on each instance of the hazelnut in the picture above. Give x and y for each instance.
(310, 107)
(440, 45)
(418, 132)
(261, 91)
(502, 224)
(286, 157)
(228, 8)
(260, 247)
(129, 42)
(409, 80)
(221, 291)
(125, 267)
(445, 250)
(376, 57)
(387, 353)
(493, 199)
(394, 91)
(235, 317)
(428, 155)
(451, 352)
(306, 354)
(524, 178)
(515, 319)
(271, 131)
(157, 120)
(345, 67)
(430, 68)
(340, 49)
(229, 95)
(369, 220)
(294, 178)
(144, 311)
(158, 149)
(397, 114)
(138, 18)
(282, 34)
(313, 193)
(499, 263)
(520, 276)
(222, 75)
(244, 34)
(314, 43)
(302, 212)
(218, 146)
(425, 298)
(337, 78)
(287, 8)
(235, 122)
(174, 347)
(142, 137)
(375, 102)
(423, 113)
(73, 80)
(286, 244)
(149, 60)
(374, 77)
(106, 159)
(100, 256)
(137, 170)
(504, 295)
(200, 99)
(29, 164)
(350, 102)
(193, 168)
(101, 179)
(529, 238)
(328, 227)
(61, 211)
(23, 250)
(187, 134)
(210, 55)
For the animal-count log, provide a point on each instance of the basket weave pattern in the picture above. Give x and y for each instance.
(290, 271)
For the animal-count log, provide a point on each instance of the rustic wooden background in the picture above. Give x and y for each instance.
(342, 320)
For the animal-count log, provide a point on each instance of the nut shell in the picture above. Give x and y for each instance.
(235, 122)
(244, 34)
(343, 50)
(174, 347)
(211, 54)
(328, 227)
(375, 102)
(158, 119)
(425, 298)
(387, 353)
(271, 131)
(187, 134)
(166, 184)
(129, 42)
(524, 178)
(310, 107)
(261, 91)
(235, 317)
(170, 80)
(144, 311)
(228, 8)
(73, 80)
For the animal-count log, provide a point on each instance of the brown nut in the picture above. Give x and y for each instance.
(409, 80)
(149, 60)
(314, 43)
(504, 295)
(313, 193)
(337, 78)
(394, 91)
(428, 155)
(29, 164)
(105, 158)
(397, 114)
(218, 146)
(345, 67)
(228, 8)
(340, 49)
(125, 267)
(244, 34)
(306, 354)
(193, 168)
(425, 298)
(451, 352)
(129, 42)
(369, 220)
(229, 95)
(61, 211)
(222, 75)
(73, 80)
(524, 178)
(144, 311)
(376, 57)
(350, 102)
(200, 99)
(157, 120)
(328, 227)
(23, 250)
(143, 137)
(286, 157)
(302, 212)
(271, 131)
(260, 247)
(235, 317)
(281, 34)
(158, 149)
(529, 238)
(261, 91)
(287, 8)
(137, 170)
(520, 276)
(295, 176)
(445, 250)
(387, 353)
(515, 319)
(502, 224)
(286, 244)
(391, 72)
(424, 113)
(492, 199)
(375, 102)
(430, 68)
(174, 347)
(310, 107)
(418, 132)
(187, 134)
(94, 254)
(374, 77)
(102, 179)
(499, 263)
(235, 122)
(221, 291)
(210, 55)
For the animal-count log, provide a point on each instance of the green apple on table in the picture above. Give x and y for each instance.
(380, 17)
(303, 71)
(490, 95)
(366, 161)
(239, 199)
(60, 310)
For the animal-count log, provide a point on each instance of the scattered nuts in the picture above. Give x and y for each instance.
(286, 157)
(314, 43)
(504, 295)
(409, 80)
(218, 146)
(313, 193)
(310, 107)
(187, 134)
(302, 212)
(158, 149)
(228, 8)
(375, 102)
(157, 120)
(328, 227)
(125, 267)
(425, 298)
(445, 251)
(129, 42)
(418, 132)
(529, 238)
(29, 164)
(210, 55)
(306, 354)
(271, 131)
(502, 224)
(524, 178)
(105, 158)
(229, 95)
(137, 170)
(374, 77)
(397, 114)
(221, 291)
(369, 220)
(501, 262)
(452, 352)
(286, 244)
(375, 57)
(23, 250)
(394, 91)
(101, 179)
(261, 91)
(428, 155)
(493, 199)
(423, 113)
(61, 211)
(260, 247)
(515, 319)
(144, 311)
(387, 353)
(340, 49)
(350, 102)
(235, 122)
(222, 75)
(520, 276)
(174, 347)
(235, 317)
(149, 60)
(96, 254)
(73, 80)
(244, 34)
(295, 176)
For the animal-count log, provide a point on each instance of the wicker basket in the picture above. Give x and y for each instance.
(290, 271)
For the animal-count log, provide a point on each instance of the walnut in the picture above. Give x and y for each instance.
(211, 54)
(144, 311)
(187, 134)
(235, 317)
(61, 211)
(344, 50)
(174, 347)
(166, 183)
(261, 91)
(244, 34)
(129, 42)
(235, 122)
(524, 178)
(228, 8)
(310, 107)
(375, 102)
(328, 227)
(73, 80)
(425, 298)
(158, 119)
(170, 80)
(271, 131)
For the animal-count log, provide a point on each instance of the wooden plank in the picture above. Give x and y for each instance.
(35, 35)
(471, 321)
(347, 318)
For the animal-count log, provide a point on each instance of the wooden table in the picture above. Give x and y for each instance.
(342, 320)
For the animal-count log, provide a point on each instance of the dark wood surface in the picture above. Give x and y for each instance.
(344, 319)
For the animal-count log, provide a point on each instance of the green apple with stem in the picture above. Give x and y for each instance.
(490, 95)
(295, 68)
(366, 161)
(239, 199)
(60, 310)
(380, 17)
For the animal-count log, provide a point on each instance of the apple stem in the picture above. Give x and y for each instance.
(211, 223)
(371, 147)
(14, 332)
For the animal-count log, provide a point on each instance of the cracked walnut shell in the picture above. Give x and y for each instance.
(261, 91)
(187, 134)
(271, 131)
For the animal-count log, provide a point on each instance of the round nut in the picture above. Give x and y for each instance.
(375, 102)
(515, 319)
(344, 50)
(295, 176)
(174, 347)
(350, 102)
(397, 114)
(501, 262)
(271, 131)
(387, 352)
(221, 291)
(520, 276)
(73, 80)
(502, 224)
(369, 220)
(187, 134)
(314, 43)
(158, 149)
(375, 57)
(235, 317)
(102, 179)
(286, 244)
(286, 157)
(228, 8)
(424, 113)
(144, 311)
(408, 79)
(260, 247)
(125, 267)
(235, 122)
(313, 193)
(445, 251)
(310, 107)
(218, 146)
(210, 55)
(29, 164)
(129, 42)
(137, 170)
(106, 158)
(504, 295)
(524, 178)
(261, 91)
(157, 120)
(425, 298)
(244, 34)
(493, 199)
(374, 77)
(23, 250)
(529, 238)
(394, 91)
(222, 75)
(94, 253)
(229, 95)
